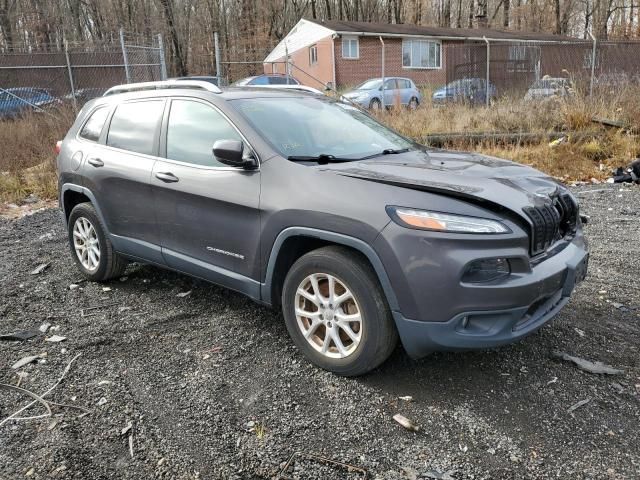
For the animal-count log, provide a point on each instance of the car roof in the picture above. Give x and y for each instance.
(386, 78)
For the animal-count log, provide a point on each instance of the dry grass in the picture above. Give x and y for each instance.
(576, 159)
(27, 163)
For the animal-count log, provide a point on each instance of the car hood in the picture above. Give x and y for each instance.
(355, 93)
(471, 176)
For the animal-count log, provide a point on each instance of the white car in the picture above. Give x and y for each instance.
(549, 87)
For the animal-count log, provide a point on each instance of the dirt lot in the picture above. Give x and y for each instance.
(215, 389)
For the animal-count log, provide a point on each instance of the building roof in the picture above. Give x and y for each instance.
(303, 34)
(308, 31)
(370, 28)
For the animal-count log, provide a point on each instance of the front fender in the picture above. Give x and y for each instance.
(338, 239)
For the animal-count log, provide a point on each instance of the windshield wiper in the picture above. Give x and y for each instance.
(322, 159)
(386, 151)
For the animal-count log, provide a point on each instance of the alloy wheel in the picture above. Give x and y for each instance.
(86, 244)
(328, 315)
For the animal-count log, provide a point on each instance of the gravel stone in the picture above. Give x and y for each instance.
(192, 374)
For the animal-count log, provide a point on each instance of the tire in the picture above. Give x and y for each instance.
(375, 331)
(375, 105)
(413, 103)
(85, 228)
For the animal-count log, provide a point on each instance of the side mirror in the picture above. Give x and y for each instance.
(231, 152)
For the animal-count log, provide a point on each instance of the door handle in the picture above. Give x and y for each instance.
(96, 162)
(167, 177)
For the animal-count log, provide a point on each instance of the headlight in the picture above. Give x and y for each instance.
(444, 222)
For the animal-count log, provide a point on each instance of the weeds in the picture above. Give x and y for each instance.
(261, 431)
(27, 163)
(572, 160)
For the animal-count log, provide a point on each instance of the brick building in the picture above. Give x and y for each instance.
(344, 53)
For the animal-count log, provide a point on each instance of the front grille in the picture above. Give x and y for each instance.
(552, 222)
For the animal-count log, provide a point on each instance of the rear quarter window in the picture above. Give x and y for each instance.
(133, 126)
(93, 126)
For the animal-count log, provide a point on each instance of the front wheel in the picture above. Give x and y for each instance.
(336, 312)
(375, 105)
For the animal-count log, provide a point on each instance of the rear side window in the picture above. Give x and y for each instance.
(92, 127)
(192, 130)
(390, 84)
(278, 80)
(133, 126)
(260, 81)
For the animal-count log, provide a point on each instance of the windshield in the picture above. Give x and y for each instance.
(309, 126)
(370, 84)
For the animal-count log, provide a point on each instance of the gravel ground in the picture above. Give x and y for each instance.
(213, 387)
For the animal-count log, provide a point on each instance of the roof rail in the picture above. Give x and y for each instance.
(161, 85)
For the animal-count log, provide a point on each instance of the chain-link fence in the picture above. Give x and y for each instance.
(34, 80)
(528, 69)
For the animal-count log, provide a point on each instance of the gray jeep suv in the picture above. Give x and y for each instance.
(360, 235)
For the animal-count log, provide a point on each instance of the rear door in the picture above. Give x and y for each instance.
(207, 213)
(406, 92)
(118, 171)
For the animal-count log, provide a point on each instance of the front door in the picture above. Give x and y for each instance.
(207, 213)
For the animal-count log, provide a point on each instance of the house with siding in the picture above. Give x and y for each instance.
(343, 53)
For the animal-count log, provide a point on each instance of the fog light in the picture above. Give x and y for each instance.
(486, 270)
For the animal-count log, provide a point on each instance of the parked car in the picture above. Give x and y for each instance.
(83, 95)
(270, 79)
(16, 101)
(310, 205)
(397, 90)
(300, 88)
(469, 90)
(204, 78)
(549, 87)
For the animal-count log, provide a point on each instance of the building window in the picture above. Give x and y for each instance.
(522, 58)
(350, 47)
(313, 55)
(421, 54)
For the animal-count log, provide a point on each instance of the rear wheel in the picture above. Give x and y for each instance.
(90, 247)
(336, 312)
(413, 103)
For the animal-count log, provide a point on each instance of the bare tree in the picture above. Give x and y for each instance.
(179, 64)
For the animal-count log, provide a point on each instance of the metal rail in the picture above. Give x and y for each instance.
(161, 85)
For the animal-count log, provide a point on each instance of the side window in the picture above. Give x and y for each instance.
(92, 127)
(313, 55)
(133, 126)
(192, 130)
(390, 84)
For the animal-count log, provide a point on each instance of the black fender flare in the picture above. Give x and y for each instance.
(87, 193)
(338, 239)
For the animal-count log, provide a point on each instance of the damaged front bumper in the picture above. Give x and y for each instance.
(495, 315)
